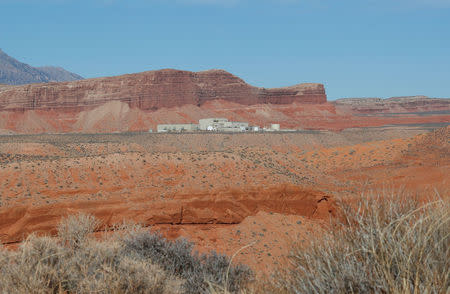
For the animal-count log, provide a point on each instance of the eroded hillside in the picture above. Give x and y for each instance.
(221, 190)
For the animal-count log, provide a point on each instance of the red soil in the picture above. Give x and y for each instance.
(221, 191)
(118, 116)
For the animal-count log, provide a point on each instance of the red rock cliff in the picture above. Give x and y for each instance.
(153, 90)
(392, 105)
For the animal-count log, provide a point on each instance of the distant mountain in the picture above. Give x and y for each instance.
(14, 72)
(59, 74)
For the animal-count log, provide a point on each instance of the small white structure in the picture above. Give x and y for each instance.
(215, 123)
(275, 127)
(177, 128)
(255, 129)
(222, 125)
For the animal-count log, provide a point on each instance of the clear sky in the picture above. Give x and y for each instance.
(357, 48)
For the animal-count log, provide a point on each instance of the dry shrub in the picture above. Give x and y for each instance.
(75, 263)
(385, 244)
(73, 231)
(178, 258)
(133, 261)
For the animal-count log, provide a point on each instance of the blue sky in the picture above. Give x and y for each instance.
(357, 48)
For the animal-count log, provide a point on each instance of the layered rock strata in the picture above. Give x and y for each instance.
(154, 90)
(394, 104)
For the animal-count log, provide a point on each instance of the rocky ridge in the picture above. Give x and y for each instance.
(14, 72)
(153, 90)
(139, 102)
(393, 104)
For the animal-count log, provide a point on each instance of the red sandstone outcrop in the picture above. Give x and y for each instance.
(225, 207)
(393, 105)
(139, 102)
(154, 90)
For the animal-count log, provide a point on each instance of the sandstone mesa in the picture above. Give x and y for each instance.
(153, 90)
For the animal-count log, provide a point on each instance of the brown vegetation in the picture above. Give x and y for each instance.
(385, 243)
(222, 191)
(130, 261)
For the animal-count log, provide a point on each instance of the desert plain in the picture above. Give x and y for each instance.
(221, 191)
(85, 147)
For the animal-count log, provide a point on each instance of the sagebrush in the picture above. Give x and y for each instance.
(132, 260)
(386, 243)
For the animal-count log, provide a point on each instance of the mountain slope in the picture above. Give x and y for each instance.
(59, 74)
(14, 72)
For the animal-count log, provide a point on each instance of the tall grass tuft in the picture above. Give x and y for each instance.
(382, 244)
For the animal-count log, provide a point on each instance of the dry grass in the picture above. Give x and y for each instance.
(385, 244)
(130, 261)
(382, 244)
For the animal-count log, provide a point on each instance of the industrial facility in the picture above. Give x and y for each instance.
(214, 125)
(222, 125)
(177, 128)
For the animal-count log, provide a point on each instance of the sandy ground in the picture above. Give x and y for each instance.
(222, 191)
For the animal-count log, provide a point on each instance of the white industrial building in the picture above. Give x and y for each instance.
(212, 125)
(222, 125)
(177, 128)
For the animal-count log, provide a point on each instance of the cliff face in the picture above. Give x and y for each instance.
(154, 90)
(139, 102)
(392, 105)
